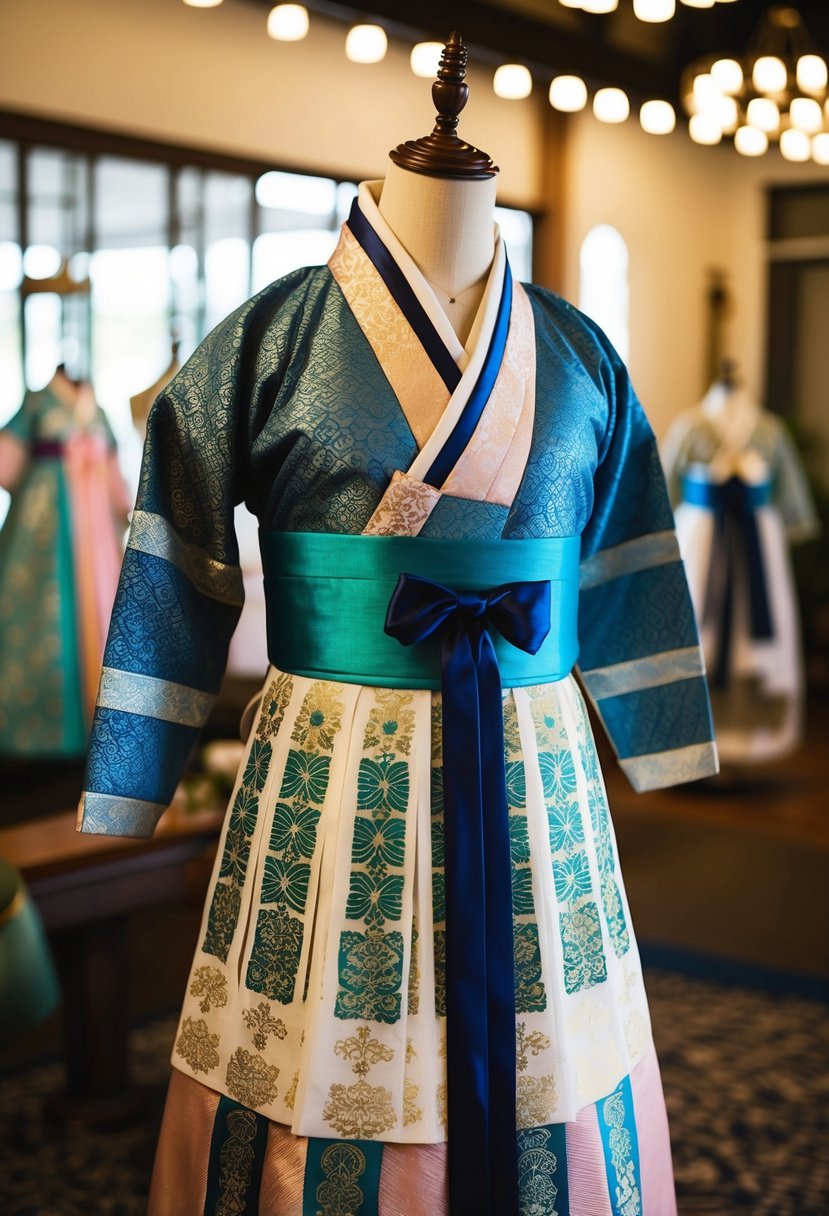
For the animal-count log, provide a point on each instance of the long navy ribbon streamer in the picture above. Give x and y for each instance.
(736, 542)
(480, 985)
(404, 297)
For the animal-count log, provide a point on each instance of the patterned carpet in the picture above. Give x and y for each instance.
(746, 1077)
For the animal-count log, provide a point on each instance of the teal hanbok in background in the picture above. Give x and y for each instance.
(317, 1047)
(60, 552)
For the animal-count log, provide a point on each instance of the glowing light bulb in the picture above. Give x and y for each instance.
(805, 114)
(707, 93)
(750, 142)
(763, 114)
(203, 3)
(704, 129)
(726, 113)
(288, 22)
(425, 58)
(811, 73)
(769, 74)
(699, 3)
(599, 6)
(611, 105)
(727, 75)
(795, 145)
(568, 93)
(657, 117)
(654, 10)
(820, 148)
(512, 81)
(366, 44)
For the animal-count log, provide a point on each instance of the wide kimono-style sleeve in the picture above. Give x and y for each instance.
(15, 438)
(640, 659)
(179, 594)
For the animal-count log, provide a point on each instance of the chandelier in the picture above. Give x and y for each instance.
(776, 91)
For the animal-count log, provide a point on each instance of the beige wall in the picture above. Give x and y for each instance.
(214, 78)
(681, 209)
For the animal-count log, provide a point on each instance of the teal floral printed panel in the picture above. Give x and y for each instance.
(530, 996)
(617, 1124)
(225, 902)
(581, 932)
(370, 958)
(543, 1188)
(600, 821)
(286, 874)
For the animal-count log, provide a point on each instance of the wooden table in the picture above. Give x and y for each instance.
(85, 888)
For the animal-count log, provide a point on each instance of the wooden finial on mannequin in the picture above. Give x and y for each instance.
(443, 153)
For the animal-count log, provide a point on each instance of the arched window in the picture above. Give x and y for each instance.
(603, 284)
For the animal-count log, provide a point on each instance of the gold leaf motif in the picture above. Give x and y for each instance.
(410, 1051)
(534, 1042)
(391, 722)
(359, 1111)
(259, 1020)
(290, 1093)
(274, 703)
(339, 1194)
(211, 986)
(536, 1101)
(250, 1080)
(441, 1097)
(236, 1160)
(319, 718)
(363, 1051)
(412, 1113)
(197, 1045)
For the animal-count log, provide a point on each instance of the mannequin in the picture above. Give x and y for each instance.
(447, 226)
(741, 499)
(416, 988)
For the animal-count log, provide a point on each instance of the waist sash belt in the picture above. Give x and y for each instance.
(735, 546)
(472, 617)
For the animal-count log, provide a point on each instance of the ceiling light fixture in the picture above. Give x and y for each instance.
(568, 94)
(366, 44)
(657, 117)
(654, 10)
(611, 105)
(779, 86)
(288, 22)
(425, 59)
(512, 81)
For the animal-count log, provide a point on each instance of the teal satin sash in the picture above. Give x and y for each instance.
(328, 595)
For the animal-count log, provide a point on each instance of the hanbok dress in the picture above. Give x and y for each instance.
(741, 499)
(60, 556)
(416, 934)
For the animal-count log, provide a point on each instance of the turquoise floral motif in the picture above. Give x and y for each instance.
(371, 963)
(519, 839)
(306, 777)
(529, 988)
(584, 960)
(375, 898)
(558, 774)
(235, 854)
(537, 1166)
(256, 769)
(622, 1157)
(227, 894)
(565, 825)
(516, 784)
(285, 882)
(600, 819)
(379, 843)
(582, 943)
(286, 873)
(522, 892)
(438, 897)
(530, 996)
(222, 919)
(440, 972)
(244, 811)
(274, 959)
(572, 876)
(383, 785)
(294, 830)
(371, 974)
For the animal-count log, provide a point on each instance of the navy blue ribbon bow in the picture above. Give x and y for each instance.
(480, 984)
(736, 544)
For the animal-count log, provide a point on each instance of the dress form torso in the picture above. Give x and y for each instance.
(447, 227)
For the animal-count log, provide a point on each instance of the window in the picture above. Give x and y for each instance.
(603, 284)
